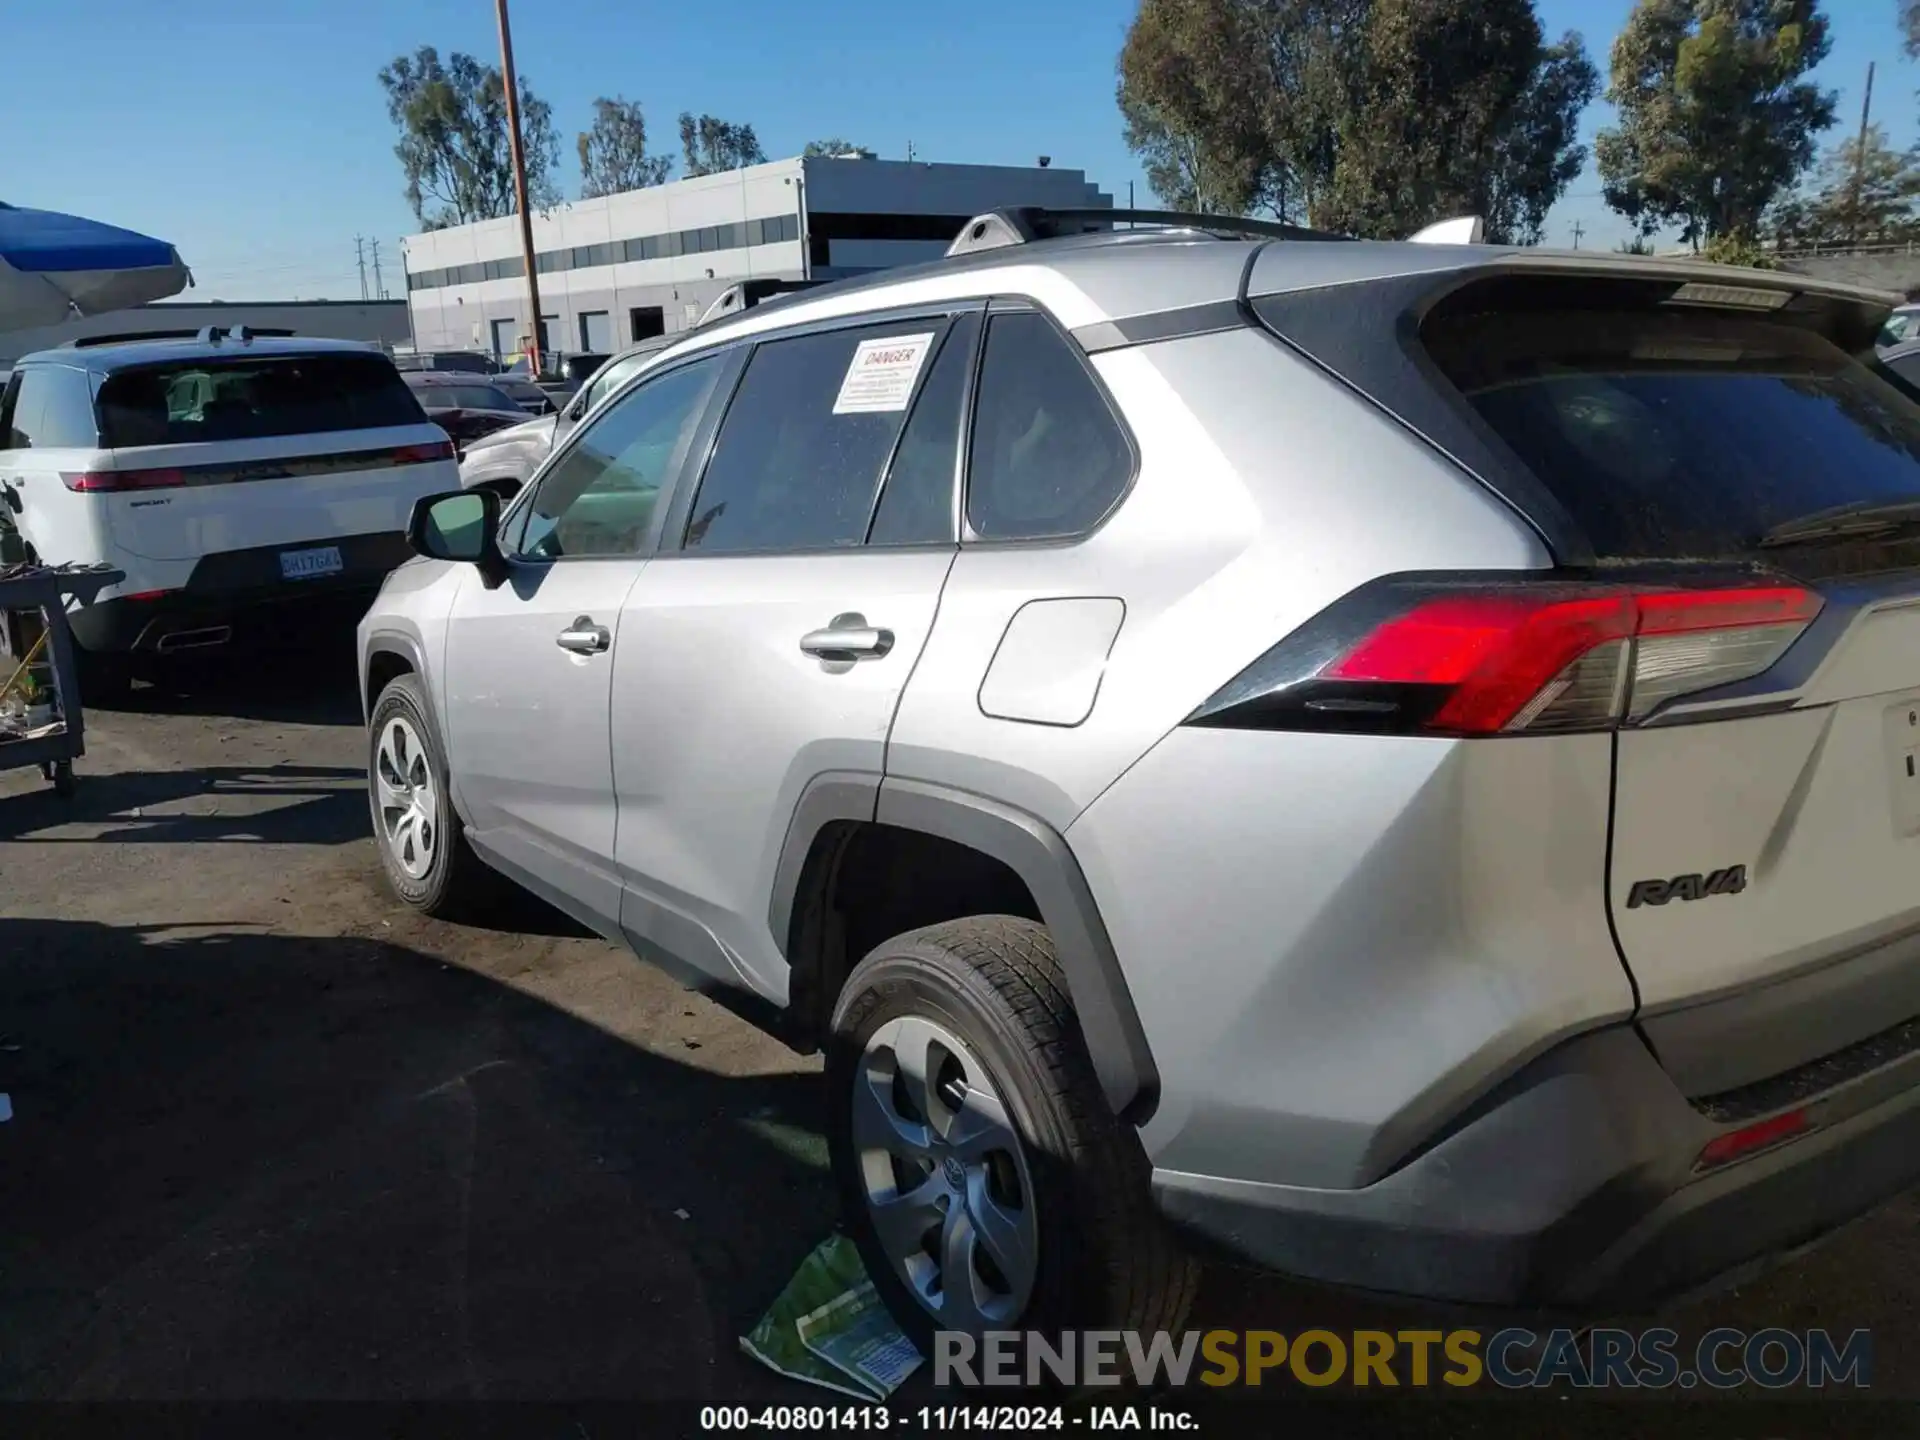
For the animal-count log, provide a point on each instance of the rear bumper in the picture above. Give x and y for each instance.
(240, 597)
(1573, 1187)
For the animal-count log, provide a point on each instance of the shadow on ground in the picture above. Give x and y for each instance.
(253, 1165)
(273, 804)
(308, 678)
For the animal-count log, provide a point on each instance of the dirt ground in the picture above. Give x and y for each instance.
(275, 1139)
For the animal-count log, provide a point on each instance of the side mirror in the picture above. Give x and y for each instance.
(461, 525)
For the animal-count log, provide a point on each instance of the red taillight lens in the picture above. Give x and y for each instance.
(1566, 660)
(421, 454)
(109, 481)
(1751, 1139)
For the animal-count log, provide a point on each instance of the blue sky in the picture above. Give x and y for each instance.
(255, 136)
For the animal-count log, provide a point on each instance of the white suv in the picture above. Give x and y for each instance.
(223, 475)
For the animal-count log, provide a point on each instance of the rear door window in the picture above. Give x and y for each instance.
(1049, 459)
(252, 397)
(808, 434)
(1674, 433)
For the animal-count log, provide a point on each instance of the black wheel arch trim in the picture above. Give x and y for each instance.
(1041, 857)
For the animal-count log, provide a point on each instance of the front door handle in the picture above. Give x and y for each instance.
(583, 637)
(847, 637)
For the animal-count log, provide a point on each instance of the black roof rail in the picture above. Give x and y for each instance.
(1021, 225)
(86, 342)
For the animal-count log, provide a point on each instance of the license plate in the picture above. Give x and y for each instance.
(309, 564)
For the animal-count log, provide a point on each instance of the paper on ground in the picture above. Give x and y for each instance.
(830, 1328)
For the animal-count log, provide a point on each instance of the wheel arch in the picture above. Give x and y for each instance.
(837, 810)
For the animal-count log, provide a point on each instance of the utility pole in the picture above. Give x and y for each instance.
(520, 185)
(1860, 161)
(379, 286)
(360, 263)
(1578, 231)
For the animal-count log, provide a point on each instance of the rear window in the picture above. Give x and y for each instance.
(256, 397)
(1681, 432)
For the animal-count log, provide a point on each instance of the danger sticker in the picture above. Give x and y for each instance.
(881, 374)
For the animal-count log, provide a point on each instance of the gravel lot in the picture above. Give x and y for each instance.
(275, 1139)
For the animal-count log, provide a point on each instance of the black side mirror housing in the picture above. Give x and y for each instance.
(459, 525)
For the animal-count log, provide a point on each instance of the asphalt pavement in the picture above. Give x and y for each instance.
(274, 1138)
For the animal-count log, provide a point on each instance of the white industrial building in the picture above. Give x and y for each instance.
(625, 267)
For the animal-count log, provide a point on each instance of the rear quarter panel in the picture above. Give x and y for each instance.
(1265, 491)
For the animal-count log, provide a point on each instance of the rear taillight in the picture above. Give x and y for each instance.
(1421, 657)
(98, 481)
(421, 454)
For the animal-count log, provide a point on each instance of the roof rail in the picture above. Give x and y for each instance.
(748, 293)
(1460, 230)
(87, 342)
(1021, 225)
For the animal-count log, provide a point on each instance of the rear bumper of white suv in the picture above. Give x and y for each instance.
(237, 596)
(1580, 1184)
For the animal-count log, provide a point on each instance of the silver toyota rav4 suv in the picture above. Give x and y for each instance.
(1394, 762)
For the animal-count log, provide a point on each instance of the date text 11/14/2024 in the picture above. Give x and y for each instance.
(941, 1419)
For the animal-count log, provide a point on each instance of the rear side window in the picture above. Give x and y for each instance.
(51, 410)
(251, 398)
(1672, 432)
(1049, 459)
(799, 457)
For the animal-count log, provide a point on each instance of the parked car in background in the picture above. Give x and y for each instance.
(1902, 325)
(524, 393)
(230, 478)
(1395, 758)
(467, 407)
(1904, 360)
(472, 362)
(502, 460)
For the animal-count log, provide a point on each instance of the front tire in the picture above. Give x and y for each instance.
(987, 1182)
(422, 846)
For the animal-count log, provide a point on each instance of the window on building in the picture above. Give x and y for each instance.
(796, 464)
(646, 321)
(1048, 457)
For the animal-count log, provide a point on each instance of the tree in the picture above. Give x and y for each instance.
(1859, 194)
(1910, 26)
(1462, 109)
(1190, 78)
(613, 154)
(833, 149)
(454, 147)
(1370, 116)
(1716, 118)
(712, 144)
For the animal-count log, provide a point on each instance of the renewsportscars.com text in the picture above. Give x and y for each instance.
(1514, 1358)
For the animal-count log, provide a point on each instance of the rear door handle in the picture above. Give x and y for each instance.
(847, 637)
(583, 637)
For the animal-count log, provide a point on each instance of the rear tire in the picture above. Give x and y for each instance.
(423, 846)
(1037, 1166)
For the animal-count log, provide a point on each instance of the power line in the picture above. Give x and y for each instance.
(360, 263)
(379, 287)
